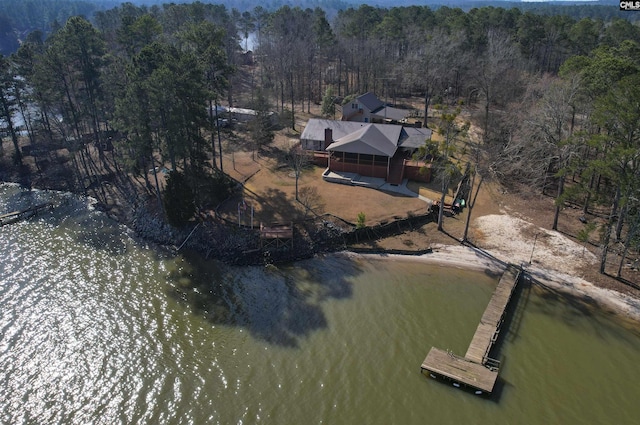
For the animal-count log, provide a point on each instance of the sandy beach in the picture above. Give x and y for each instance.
(548, 257)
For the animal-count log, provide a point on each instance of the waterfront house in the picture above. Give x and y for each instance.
(366, 149)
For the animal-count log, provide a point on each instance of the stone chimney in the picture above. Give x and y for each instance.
(328, 138)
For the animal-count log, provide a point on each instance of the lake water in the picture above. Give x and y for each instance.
(95, 327)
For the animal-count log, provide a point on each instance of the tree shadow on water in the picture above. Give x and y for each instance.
(278, 305)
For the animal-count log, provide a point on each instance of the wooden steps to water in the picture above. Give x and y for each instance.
(476, 369)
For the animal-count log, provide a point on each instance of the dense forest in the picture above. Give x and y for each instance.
(556, 99)
(18, 18)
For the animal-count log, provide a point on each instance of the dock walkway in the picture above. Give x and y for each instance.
(15, 216)
(476, 369)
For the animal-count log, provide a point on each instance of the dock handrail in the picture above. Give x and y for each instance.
(492, 364)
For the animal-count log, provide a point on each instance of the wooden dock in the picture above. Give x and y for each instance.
(460, 370)
(15, 216)
(476, 369)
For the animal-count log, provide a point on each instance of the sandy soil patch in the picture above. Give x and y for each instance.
(511, 236)
(521, 242)
(556, 260)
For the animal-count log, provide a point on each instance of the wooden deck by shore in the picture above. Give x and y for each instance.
(15, 216)
(476, 369)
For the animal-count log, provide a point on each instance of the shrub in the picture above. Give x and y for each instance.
(361, 220)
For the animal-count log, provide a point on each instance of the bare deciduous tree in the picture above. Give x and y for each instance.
(497, 73)
(311, 200)
(298, 160)
(551, 123)
(428, 64)
(537, 134)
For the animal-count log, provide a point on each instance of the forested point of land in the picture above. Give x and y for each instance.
(132, 91)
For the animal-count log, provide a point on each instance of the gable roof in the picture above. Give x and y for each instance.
(314, 130)
(413, 138)
(372, 139)
(370, 101)
(365, 138)
(391, 113)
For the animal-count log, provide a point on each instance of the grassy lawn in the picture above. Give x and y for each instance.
(269, 187)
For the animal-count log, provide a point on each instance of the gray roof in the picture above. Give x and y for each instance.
(392, 113)
(373, 139)
(413, 138)
(370, 101)
(314, 130)
(366, 138)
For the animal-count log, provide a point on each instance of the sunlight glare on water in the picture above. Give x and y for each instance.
(97, 328)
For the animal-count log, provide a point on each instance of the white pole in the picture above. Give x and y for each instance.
(534, 247)
(185, 241)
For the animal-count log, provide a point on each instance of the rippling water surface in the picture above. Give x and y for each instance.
(97, 328)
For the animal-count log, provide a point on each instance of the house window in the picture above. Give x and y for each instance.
(354, 106)
(366, 120)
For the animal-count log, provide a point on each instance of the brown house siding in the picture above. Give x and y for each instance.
(412, 172)
(362, 169)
